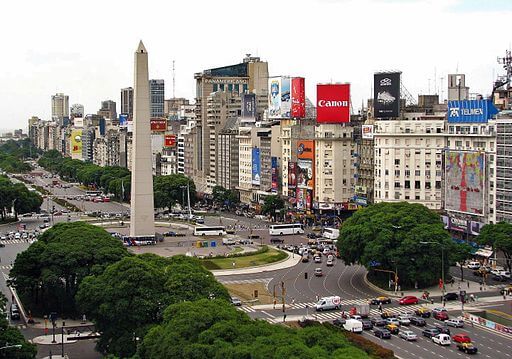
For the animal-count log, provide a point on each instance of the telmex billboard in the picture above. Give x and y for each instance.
(386, 96)
(158, 124)
(476, 111)
(332, 103)
(298, 98)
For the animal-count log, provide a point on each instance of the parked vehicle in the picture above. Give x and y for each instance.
(474, 265)
(441, 339)
(328, 303)
(353, 325)
(408, 335)
(15, 312)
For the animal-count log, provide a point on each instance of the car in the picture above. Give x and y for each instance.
(329, 263)
(170, 234)
(408, 335)
(418, 321)
(382, 333)
(378, 322)
(438, 309)
(456, 323)
(367, 324)
(467, 348)
(387, 314)
(505, 274)
(441, 316)
(15, 312)
(305, 259)
(461, 338)
(451, 296)
(236, 301)
(2, 245)
(474, 265)
(380, 300)
(394, 321)
(430, 332)
(497, 271)
(318, 272)
(318, 259)
(3, 237)
(408, 299)
(339, 322)
(393, 328)
(499, 278)
(441, 339)
(404, 319)
(443, 328)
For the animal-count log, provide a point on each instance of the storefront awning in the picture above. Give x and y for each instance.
(483, 253)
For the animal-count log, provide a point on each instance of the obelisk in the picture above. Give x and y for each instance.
(142, 221)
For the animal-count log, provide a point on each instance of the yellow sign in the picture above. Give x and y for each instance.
(76, 143)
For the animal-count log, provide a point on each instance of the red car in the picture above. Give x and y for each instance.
(408, 299)
(441, 315)
(461, 338)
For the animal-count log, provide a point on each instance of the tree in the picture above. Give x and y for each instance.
(47, 275)
(272, 204)
(130, 296)
(401, 237)
(12, 336)
(499, 236)
(225, 196)
(172, 189)
(459, 254)
(24, 201)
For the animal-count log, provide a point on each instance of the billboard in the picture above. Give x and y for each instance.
(292, 174)
(465, 181)
(78, 122)
(76, 143)
(170, 141)
(386, 95)
(256, 167)
(367, 131)
(274, 104)
(274, 175)
(123, 120)
(158, 124)
(249, 106)
(470, 111)
(305, 158)
(298, 109)
(286, 101)
(332, 103)
(301, 198)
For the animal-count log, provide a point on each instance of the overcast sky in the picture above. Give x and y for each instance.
(85, 49)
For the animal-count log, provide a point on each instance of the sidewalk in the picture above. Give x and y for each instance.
(291, 261)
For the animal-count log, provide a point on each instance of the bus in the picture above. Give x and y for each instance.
(282, 229)
(210, 231)
(331, 233)
(93, 193)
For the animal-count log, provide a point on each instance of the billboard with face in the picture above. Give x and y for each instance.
(249, 106)
(286, 102)
(274, 91)
(298, 98)
(333, 103)
(305, 167)
(386, 96)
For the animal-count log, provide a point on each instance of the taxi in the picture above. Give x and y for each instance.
(393, 328)
(380, 300)
(423, 312)
(468, 348)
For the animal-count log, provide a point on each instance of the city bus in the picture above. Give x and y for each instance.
(210, 231)
(331, 233)
(93, 193)
(282, 229)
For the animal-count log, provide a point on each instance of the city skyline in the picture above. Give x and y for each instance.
(335, 41)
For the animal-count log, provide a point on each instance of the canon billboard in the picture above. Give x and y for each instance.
(332, 103)
(386, 97)
(158, 124)
(298, 98)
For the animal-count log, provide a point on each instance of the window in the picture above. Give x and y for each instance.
(417, 197)
(417, 173)
(386, 172)
(427, 185)
(397, 161)
(417, 184)
(397, 184)
(407, 184)
(407, 173)
(397, 173)
(458, 143)
(438, 184)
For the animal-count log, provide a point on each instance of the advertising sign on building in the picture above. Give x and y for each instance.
(76, 144)
(123, 120)
(158, 124)
(360, 190)
(274, 174)
(256, 166)
(386, 95)
(470, 111)
(286, 101)
(367, 131)
(274, 91)
(332, 103)
(298, 98)
(78, 122)
(301, 198)
(248, 106)
(305, 168)
(292, 175)
(465, 182)
(129, 127)
(170, 141)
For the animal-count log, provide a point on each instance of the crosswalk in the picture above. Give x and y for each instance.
(266, 281)
(16, 241)
(6, 267)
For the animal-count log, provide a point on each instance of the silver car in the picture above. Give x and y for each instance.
(407, 335)
(457, 323)
(404, 319)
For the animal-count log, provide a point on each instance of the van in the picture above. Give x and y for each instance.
(228, 241)
(353, 325)
(328, 303)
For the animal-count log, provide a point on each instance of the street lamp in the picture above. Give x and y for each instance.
(442, 266)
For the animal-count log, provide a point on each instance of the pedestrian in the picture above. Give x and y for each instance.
(468, 284)
(293, 301)
(316, 296)
(284, 318)
(380, 307)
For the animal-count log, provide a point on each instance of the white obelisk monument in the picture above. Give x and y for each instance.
(142, 221)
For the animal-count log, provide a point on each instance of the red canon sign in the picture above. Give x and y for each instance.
(158, 124)
(170, 140)
(333, 103)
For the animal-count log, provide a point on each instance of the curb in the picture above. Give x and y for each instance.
(378, 289)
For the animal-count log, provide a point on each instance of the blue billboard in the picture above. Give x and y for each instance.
(256, 166)
(123, 120)
(470, 111)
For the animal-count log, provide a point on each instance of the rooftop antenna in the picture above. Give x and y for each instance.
(442, 89)
(173, 81)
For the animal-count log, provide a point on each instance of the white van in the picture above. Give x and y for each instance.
(328, 303)
(353, 325)
(228, 241)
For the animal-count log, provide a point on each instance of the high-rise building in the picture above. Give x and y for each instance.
(60, 106)
(127, 101)
(503, 171)
(108, 109)
(227, 158)
(157, 96)
(77, 110)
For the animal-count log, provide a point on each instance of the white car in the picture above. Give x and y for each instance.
(404, 319)
(407, 335)
(474, 265)
(505, 273)
(394, 321)
(497, 270)
(442, 339)
(456, 323)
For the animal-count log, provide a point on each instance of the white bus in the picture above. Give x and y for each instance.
(210, 231)
(282, 229)
(331, 233)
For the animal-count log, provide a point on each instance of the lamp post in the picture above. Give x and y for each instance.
(62, 344)
(442, 267)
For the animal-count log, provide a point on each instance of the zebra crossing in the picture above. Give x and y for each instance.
(7, 267)
(266, 281)
(16, 241)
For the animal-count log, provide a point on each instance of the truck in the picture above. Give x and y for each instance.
(353, 325)
(328, 303)
(363, 310)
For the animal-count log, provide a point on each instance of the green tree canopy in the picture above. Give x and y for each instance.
(129, 298)
(499, 236)
(18, 194)
(397, 236)
(222, 195)
(272, 204)
(171, 189)
(47, 275)
(215, 329)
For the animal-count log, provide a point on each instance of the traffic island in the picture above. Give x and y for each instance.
(265, 255)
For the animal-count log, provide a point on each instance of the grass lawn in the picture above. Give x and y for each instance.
(267, 257)
(245, 292)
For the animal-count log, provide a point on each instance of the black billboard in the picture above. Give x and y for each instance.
(386, 96)
(249, 106)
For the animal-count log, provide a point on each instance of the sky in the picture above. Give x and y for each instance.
(85, 49)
